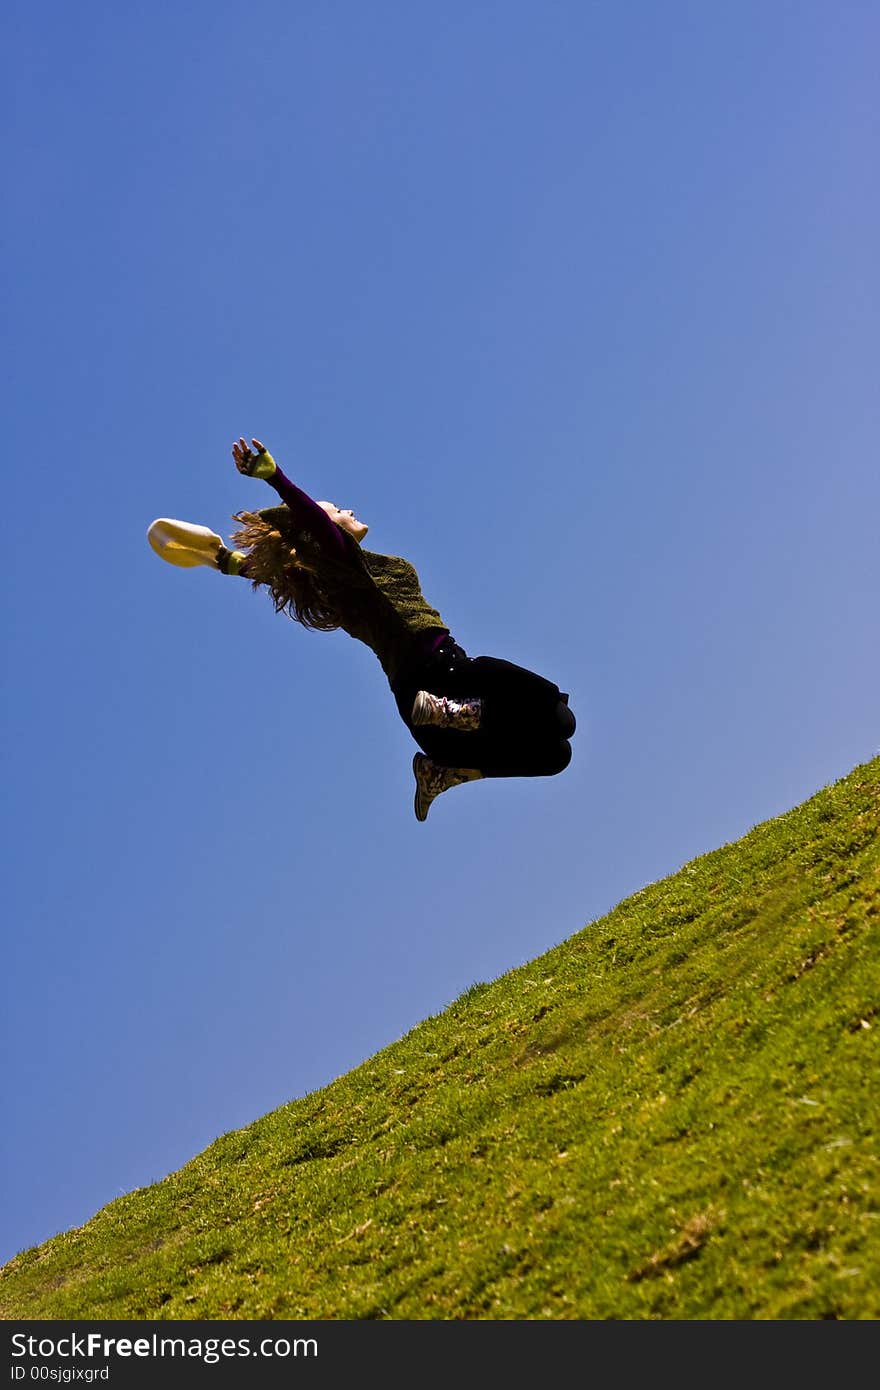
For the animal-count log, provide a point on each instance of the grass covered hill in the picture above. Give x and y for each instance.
(674, 1114)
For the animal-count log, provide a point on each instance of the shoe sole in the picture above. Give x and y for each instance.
(421, 812)
(421, 710)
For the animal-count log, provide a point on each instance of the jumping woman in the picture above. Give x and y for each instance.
(472, 717)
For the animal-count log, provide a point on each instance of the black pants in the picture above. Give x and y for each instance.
(525, 724)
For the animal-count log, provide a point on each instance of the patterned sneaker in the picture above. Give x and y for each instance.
(432, 779)
(186, 545)
(444, 712)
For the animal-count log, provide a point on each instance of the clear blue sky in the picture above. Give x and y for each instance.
(577, 305)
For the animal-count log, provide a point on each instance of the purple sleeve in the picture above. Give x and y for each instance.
(308, 516)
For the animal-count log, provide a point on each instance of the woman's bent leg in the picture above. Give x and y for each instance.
(525, 721)
(522, 756)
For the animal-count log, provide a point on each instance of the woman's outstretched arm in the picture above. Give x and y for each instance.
(307, 515)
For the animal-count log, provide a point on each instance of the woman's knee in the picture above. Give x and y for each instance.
(560, 758)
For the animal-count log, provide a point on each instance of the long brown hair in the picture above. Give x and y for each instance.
(275, 562)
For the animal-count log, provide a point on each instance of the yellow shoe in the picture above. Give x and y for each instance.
(186, 545)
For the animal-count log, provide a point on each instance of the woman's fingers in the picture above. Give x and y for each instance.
(241, 451)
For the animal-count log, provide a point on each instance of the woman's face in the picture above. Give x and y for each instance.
(346, 520)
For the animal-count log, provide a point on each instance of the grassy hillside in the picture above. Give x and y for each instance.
(674, 1114)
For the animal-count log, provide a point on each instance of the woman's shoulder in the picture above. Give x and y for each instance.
(382, 561)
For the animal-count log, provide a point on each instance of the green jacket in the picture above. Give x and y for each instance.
(378, 597)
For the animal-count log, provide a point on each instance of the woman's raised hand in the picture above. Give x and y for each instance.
(254, 462)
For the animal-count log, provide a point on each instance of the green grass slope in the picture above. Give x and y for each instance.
(672, 1115)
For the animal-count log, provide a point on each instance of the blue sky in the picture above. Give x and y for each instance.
(574, 303)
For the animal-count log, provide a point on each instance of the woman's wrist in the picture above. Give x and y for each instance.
(264, 466)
